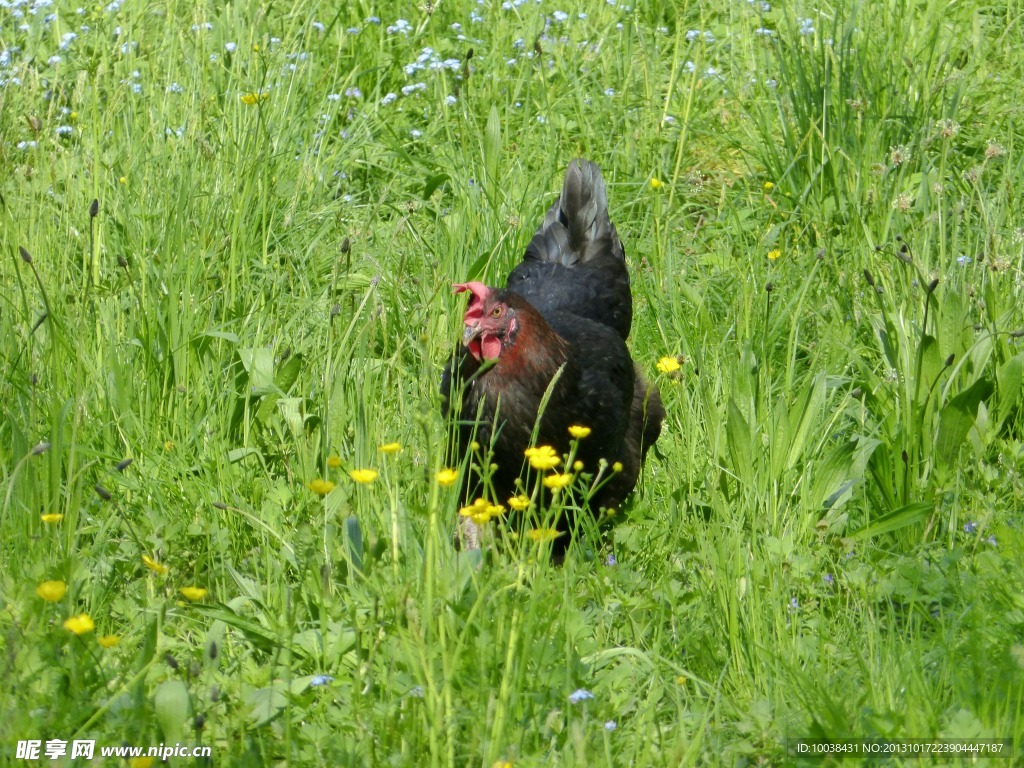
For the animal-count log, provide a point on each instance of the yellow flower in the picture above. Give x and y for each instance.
(557, 482)
(52, 591)
(169, 445)
(773, 254)
(681, 680)
(502, 764)
(543, 457)
(254, 98)
(669, 364)
(447, 477)
(364, 476)
(481, 511)
(577, 465)
(108, 641)
(541, 535)
(80, 624)
(333, 462)
(617, 466)
(194, 594)
(320, 486)
(122, 180)
(768, 186)
(51, 518)
(390, 448)
(140, 762)
(656, 183)
(153, 565)
(519, 503)
(474, 446)
(579, 432)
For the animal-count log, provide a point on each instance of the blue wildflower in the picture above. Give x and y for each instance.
(319, 680)
(580, 694)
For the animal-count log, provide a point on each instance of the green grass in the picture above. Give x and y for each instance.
(829, 540)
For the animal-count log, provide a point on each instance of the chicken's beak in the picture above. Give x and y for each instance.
(471, 332)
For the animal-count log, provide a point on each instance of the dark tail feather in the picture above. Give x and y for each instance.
(577, 228)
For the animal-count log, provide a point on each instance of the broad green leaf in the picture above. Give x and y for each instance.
(738, 438)
(172, 706)
(956, 419)
(911, 514)
(354, 542)
(433, 182)
(931, 366)
(813, 401)
(259, 364)
(265, 704)
(1009, 378)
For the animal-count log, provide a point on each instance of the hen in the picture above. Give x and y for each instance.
(566, 307)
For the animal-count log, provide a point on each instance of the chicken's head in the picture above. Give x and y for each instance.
(491, 324)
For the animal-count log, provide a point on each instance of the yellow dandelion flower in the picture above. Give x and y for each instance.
(543, 457)
(108, 641)
(481, 511)
(320, 487)
(519, 503)
(390, 448)
(577, 465)
(364, 476)
(656, 183)
(617, 466)
(254, 98)
(669, 364)
(80, 624)
(333, 462)
(557, 482)
(194, 594)
(541, 535)
(773, 254)
(579, 432)
(768, 186)
(52, 591)
(447, 477)
(153, 565)
(51, 518)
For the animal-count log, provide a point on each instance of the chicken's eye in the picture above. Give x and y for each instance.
(496, 312)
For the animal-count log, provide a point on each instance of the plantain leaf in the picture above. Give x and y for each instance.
(1010, 378)
(814, 399)
(172, 706)
(912, 513)
(738, 436)
(956, 419)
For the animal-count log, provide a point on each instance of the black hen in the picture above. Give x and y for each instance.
(567, 307)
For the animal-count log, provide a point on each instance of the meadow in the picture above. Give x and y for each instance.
(228, 235)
